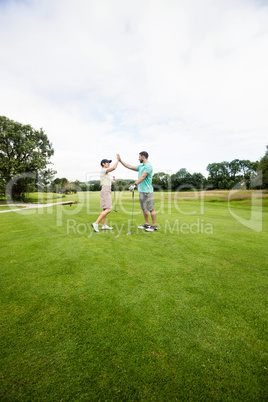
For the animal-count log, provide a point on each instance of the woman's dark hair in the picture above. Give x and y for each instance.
(144, 153)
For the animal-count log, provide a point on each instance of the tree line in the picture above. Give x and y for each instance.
(62, 185)
(25, 156)
(221, 175)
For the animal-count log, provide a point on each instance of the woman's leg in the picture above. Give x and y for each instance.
(102, 216)
(104, 219)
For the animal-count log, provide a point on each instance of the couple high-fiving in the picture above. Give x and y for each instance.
(144, 184)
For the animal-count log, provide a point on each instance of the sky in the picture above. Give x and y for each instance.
(185, 81)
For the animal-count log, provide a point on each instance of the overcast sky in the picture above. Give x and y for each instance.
(184, 80)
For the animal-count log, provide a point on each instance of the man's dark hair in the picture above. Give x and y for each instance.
(145, 154)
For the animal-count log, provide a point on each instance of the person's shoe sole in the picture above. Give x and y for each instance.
(97, 231)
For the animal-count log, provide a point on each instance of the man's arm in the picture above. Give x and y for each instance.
(140, 179)
(127, 165)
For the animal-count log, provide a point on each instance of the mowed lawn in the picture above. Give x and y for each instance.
(175, 315)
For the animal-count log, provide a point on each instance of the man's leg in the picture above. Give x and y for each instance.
(153, 216)
(146, 216)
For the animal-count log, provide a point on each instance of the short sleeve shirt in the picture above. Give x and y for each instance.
(146, 185)
(105, 178)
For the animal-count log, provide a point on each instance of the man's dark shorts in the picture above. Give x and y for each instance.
(146, 201)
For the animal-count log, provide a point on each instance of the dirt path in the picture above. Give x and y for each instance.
(31, 206)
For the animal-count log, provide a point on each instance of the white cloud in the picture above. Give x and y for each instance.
(186, 81)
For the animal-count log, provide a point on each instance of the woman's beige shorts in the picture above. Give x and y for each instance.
(105, 197)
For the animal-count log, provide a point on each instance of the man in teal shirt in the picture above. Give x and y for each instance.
(144, 183)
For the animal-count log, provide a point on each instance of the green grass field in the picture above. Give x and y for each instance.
(175, 315)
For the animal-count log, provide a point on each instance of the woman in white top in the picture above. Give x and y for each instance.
(105, 194)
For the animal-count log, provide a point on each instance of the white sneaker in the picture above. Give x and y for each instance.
(95, 227)
(106, 227)
(145, 226)
(151, 229)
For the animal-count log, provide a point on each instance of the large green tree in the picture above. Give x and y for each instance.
(24, 155)
(225, 175)
(161, 181)
(263, 167)
(185, 180)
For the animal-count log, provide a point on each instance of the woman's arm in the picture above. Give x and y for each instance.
(113, 167)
